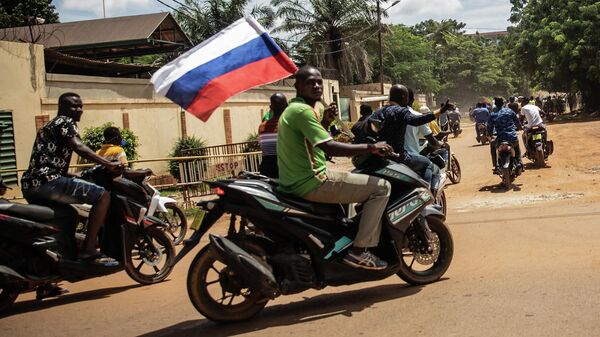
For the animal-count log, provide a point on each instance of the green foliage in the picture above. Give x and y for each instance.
(408, 59)
(15, 13)
(255, 146)
(93, 137)
(555, 43)
(201, 19)
(330, 34)
(177, 151)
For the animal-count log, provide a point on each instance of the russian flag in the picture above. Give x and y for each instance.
(236, 59)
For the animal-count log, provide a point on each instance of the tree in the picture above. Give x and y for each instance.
(437, 31)
(201, 19)
(408, 59)
(556, 43)
(330, 34)
(14, 13)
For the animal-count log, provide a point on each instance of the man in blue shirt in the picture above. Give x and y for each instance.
(506, 123)
(481, 115)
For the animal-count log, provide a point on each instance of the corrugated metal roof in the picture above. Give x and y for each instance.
(97, 32)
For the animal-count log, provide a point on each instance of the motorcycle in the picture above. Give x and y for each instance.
(164, 208)
(538, 147)
(38, 246)
(482, 135)
(455, 128)
(444, 169)
(507, 164)
(297, 245)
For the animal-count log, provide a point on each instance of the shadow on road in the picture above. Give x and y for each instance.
(499, 188)
(533, 167)
(307, 310)
(34, 305)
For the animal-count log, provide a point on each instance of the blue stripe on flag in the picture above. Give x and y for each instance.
(185, 88)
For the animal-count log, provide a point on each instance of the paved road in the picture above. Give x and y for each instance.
(526, 263)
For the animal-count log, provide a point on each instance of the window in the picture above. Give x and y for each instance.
(8, 158)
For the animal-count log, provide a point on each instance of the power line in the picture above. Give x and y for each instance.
(343, 49)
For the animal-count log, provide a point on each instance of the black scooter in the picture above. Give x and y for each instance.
(278, 244)
(38, 245)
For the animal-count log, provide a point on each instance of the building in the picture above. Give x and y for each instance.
(34, 76)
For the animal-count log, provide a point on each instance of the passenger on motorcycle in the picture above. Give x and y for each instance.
(267, 132)
(394, 118)
(454, 117)
(302, 146)
(533, 117)
(481, 115)
(505, 123)
(414, 133)
(47, 180)
(360, 129)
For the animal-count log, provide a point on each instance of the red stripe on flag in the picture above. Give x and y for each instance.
(218, 90)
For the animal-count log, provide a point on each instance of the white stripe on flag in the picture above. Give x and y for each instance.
(235, 35)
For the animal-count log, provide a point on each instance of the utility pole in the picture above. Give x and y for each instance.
(380, 46)
(103, 9)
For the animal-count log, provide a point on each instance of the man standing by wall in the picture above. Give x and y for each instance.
(267, 132)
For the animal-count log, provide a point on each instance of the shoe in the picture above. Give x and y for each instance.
(364, 260)
(496, 170)
(49, 290)
(99, 260)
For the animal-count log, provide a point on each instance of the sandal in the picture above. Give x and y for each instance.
(99, 259)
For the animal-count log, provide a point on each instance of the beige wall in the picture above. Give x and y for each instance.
(28, 91)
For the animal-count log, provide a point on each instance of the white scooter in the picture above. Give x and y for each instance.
(164, 208)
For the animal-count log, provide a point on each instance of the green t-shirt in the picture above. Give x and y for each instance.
(301, 163)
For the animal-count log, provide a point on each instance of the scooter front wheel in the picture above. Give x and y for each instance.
(149, 256)
(175, 218)
(419, 268)
(8, 296)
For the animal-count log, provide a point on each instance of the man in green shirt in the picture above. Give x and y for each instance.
(302, 146)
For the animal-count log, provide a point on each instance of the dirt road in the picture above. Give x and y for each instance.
(526, 263)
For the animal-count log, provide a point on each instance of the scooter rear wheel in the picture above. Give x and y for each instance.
(428, 267)
(540, 161)
(218, 293)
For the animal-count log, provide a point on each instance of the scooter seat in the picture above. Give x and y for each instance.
(312, 207)
(30, 212)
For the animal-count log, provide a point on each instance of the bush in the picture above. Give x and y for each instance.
(181, 145)
(93, 138)
(252, 138)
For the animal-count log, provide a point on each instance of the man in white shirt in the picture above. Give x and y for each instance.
(414, 133)
(532, 114)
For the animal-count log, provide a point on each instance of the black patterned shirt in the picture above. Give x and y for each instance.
(51, 153)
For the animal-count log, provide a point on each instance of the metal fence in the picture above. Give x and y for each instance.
(201, 164)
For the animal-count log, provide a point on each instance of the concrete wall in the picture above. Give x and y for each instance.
(28, 91)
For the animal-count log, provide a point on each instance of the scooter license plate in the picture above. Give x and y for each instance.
(198, 219)
(537, 137)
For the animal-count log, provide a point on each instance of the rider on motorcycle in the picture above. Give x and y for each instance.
(47, 180)
(395, 117)
(481, 115)
(534, 118)
(302, 145)
(505, 122)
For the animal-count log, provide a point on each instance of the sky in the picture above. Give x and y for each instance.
(479, 15)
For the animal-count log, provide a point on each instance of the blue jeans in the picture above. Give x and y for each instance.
(64, 190)
(420, 164)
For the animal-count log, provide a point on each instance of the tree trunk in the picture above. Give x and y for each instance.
(591, 98)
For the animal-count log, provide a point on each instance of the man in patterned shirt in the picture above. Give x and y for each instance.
(47, 181)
